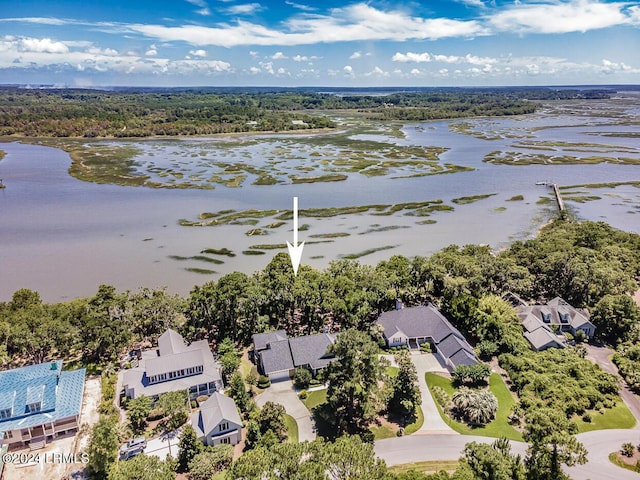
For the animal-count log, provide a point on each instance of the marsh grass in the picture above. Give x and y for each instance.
(471, 199)
(218, 251)
(364, 253)
(201, 271)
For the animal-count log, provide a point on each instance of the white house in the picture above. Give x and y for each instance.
(173, 366)
(218, 421)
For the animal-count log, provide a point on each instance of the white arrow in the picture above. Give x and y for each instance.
(295, 250)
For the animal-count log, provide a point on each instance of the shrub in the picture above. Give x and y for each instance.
(441, 397)
(303, 395)
(586, 417)
(302, 378)
(627, 449)
(487, 349)
(264, 382)
(202, 398)
(425, 347)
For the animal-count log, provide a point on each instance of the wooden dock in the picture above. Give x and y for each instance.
(559, 200)
(556, 191)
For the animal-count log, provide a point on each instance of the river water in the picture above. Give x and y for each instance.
(64, 237)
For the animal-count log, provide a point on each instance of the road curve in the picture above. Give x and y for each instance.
(599, 444)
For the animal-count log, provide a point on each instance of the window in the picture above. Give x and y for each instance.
(193, 389)
(224, 426)
(8, 434)
(6, 413)
(225, 440)
(212, 386)
(34, 407)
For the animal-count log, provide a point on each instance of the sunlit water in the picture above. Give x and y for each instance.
(63, 237)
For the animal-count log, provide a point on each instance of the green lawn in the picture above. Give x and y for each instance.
(292, 428)
(315, 398)
(499, 427)
(613, 458)
(417, 425)
(384, 431)
(392, 372)
(427, 466)
(616, 417)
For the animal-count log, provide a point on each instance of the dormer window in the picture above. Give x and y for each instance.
(34, 407)
(6, 413)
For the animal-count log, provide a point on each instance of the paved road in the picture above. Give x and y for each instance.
(284, 394)
(599, 444)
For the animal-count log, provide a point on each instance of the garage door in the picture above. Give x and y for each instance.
(279, 376)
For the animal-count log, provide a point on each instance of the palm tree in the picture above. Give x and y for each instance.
(482, 409)
(463, 398)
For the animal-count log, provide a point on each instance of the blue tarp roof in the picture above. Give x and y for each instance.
(60, 394)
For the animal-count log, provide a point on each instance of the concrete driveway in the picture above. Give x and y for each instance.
(433, 422)
(284, 394)
(163, 446)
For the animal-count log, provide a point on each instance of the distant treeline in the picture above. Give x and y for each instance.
(205, 111)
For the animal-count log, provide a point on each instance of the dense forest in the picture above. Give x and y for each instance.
(151, 112)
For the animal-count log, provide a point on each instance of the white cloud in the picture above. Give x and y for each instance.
(279, 56)
(253, 53)
(411, 57)
(267, 67)
(198, 53)
(561, 17)
(203, 8)
(377, 72)
(446, 58)
(348, 69)
(254, 70)
(609, 67)
(351, 23)
(304, 58)
(45, 45)
(415, 71)
(244, 9)
(355, 55)
(299, 6)
(26, 52)
(152, 52)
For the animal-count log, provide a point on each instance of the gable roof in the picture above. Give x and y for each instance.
(171, 342)
(543, 337)
(428, 322)
(60, 394)
(557, 312)
(168, 362)
(416, 322)
(312, 350)
(262, 340)
(172, 354)
(452, 345)
(215, 410)
(277, 357)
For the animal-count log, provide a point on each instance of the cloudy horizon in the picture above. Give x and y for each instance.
(310, 43)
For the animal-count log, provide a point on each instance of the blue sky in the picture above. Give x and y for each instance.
(311, 43)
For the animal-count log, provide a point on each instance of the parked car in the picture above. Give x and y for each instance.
(136, 445)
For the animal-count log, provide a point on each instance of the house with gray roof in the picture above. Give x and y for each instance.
(541, 321)
(415, 325)
(39, 402)
(171, 367)
(277, 355)
(217, 421)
